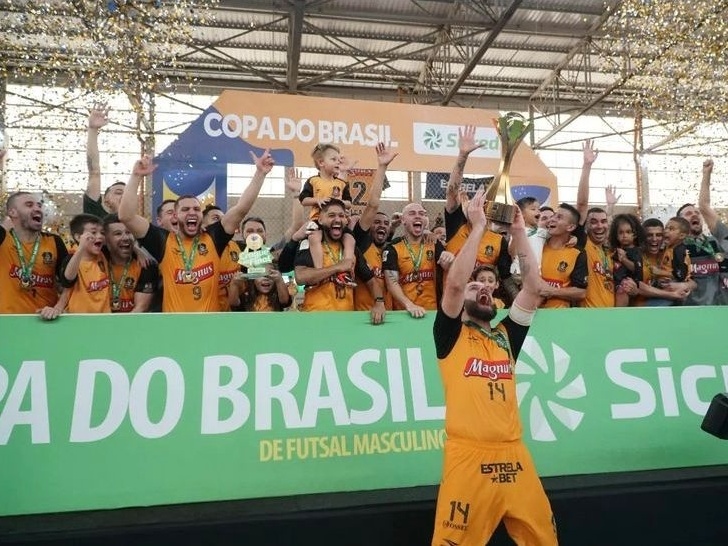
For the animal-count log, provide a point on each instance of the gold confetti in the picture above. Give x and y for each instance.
(110, 45)
(673, 56)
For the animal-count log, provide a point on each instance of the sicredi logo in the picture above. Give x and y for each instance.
(438, 139)
(549, 405)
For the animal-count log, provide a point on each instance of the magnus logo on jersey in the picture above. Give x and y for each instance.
(198, 274)
(45, 281)
(704, 267)
(499, 369)
(95, 286)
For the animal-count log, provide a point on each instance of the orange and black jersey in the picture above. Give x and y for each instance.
(600, 271)
(478, 375)
(319, 188)
(229, 267)
(492, 249)
(138, 279)
(421, 283)
(44, 273)
(677, 260)
(199, 293)
(363, 299)
(361, 269)
(563, 268)
(91, 289)
(328, 295)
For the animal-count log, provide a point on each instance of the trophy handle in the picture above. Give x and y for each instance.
(500, 188)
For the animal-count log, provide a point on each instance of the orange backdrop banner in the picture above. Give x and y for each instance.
(425, 136)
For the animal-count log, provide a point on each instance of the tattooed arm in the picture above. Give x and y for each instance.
(466, 145)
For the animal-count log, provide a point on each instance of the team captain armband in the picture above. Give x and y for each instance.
(521, 316)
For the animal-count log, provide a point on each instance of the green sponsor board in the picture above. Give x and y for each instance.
(113, 411)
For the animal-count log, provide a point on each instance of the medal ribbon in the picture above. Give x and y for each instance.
(605, 262)
(188, 260)
(415, 261)
(116, 286)
(331, 253)
(26, 268)
(701, 243)
(494, 335)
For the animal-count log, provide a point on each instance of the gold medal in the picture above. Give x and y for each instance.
(26, 283)
(419, 288)
(115, 305)
(188, 277)
(718, 257)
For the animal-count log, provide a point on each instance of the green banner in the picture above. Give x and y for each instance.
(134, 410)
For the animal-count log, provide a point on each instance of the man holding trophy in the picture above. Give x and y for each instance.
(493, 247)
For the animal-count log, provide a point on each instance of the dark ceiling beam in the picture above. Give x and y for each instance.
(271, 6)
(295, 32)
(576, 50)
(534, 29)
(475, 59)
(355, 66)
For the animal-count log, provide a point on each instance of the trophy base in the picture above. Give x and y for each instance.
(500, 212)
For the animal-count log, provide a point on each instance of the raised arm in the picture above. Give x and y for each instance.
(459, 273)
(235, 214)
(529, 297)
(385, 156)
(137, 224)
(98, 117)
(292, 178)
(708, 213)
(466, 145)
(582, 193)
(611, 199)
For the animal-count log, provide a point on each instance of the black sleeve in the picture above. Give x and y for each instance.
(148, 279)
(679, 263)
(620, 272)
(3, 233)
(453, 221)
(346, 194)
(439, 271)
(635, 256)
(439, 249)
(504, 260)
(390, 259)
(303, 258)
(61, 252)
(307, 190)
(287, 257)
(362, 269)
(219, 236)
(516, 335)
(445, 330)
(362, 237)
(65, 283)
(93, 207)
(580, 234)
(641, 273)
(155, 241)
(579, 275)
